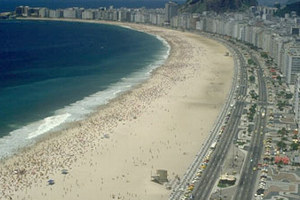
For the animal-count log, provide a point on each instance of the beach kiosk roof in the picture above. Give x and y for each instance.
(161, 176)
(227, 179)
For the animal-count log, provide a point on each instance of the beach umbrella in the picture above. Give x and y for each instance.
(64, 171)
(51, 182)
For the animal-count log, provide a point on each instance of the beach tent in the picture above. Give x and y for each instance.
(64, 171)
(51, 182)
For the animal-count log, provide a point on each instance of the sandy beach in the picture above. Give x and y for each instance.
(161, 124)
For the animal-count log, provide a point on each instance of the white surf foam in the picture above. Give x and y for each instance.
(48, 124)
(124, 26)
(76, 111)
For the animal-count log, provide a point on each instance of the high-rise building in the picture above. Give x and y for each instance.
(22, 11)
(43, 12)
(122, 15)
(70, 13)
(52, 13)
(87, 14)
(296, 99)
(295, 31)
(293, 63)
(19, 11)
(171, 10)
(79, 12)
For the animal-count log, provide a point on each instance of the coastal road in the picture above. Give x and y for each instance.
(178, 189)
(211, 174)
(246, 185)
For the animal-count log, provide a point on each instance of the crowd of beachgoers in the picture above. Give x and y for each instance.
(37, 163)
(61, 151)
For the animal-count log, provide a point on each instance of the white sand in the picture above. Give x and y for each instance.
(161, 124)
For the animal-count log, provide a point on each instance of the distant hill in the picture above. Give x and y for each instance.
(271, 2)
(217, 5)
(289, 8)
(292, 1)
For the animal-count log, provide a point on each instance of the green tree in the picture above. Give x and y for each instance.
(281, 104)
(282, 132)
(251, 62)
(294, 137)
(281, 145)
(264, 55)
(294, 146)
(250, 117)
(278, 78)
(277, 5)
(289, 96)
(281, 93)
(252, 78)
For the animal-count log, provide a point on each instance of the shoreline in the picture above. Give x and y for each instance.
(72, 117)
(140, 131)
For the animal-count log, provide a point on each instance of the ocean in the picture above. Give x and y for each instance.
(10, 5)
(53, 73)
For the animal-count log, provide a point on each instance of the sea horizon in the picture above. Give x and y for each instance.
(10, 5)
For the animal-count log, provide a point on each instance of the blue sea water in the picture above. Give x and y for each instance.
(10, 5)
(57, 72)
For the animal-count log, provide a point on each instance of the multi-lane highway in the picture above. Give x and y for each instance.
(246, 185)
(179, 189)
(212, 173)
(209, 177)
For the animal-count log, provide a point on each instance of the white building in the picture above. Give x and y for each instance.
(87, 14)
(296, 99)
(171, 10)
(200, 25)
(54, 14)
(293, 63)
(43, 12)
(69, 13)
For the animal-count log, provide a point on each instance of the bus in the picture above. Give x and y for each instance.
(213, 145)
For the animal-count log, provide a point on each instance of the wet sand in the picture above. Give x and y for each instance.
(161, 124)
